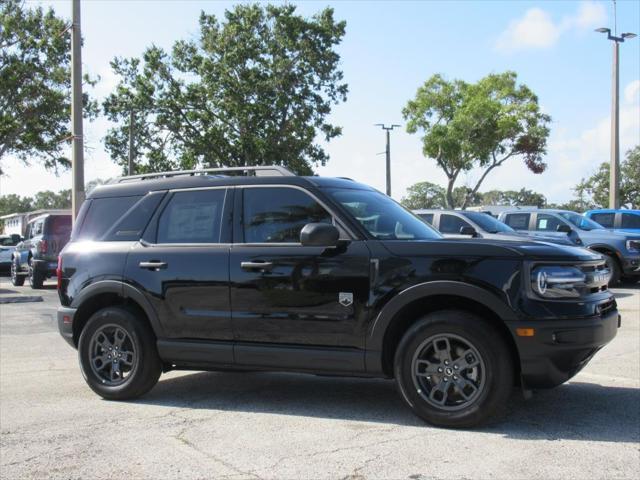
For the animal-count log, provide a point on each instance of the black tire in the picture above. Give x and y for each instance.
(495, 369)
(614, 266)
(17, 280)
(36, 279)
(146, 364)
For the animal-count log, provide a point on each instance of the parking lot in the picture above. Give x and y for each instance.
(271, 425)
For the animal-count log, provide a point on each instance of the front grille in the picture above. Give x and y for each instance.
(606, 307)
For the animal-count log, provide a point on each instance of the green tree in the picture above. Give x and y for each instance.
(481, 125)
(49, 200)
(35, 85)
(13, 203)
(596, 187)
(424, 195)
(256, 88)
(514, 198)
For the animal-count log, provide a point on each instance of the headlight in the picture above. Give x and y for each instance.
(633, 245)
(558, 281)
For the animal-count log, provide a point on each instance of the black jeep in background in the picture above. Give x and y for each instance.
(266, 270)
(36, 257)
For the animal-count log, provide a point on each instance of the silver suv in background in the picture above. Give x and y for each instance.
(621, 250)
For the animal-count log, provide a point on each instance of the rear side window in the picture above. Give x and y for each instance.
(102, 214)
(427, 217)
(276, 215)
(604, 219)
(131, 226)
(451, 223)
(630, 220)
(192, 217)
(547, 223)
(59, 225)
(518, 221)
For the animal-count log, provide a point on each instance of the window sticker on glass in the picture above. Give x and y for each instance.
(192, 221)
(543, 224)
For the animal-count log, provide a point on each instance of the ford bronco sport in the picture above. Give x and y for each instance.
(265, 270)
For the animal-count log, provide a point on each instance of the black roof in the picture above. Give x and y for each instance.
(142, 187)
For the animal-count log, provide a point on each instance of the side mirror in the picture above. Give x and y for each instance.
(468, 231)
(319, 235)
(563, 229)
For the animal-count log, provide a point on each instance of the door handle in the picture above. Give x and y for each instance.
(265, 266)
(153, 265)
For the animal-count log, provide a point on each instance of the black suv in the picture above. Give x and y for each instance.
(266, 270)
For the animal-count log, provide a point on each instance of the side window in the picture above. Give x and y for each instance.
(451, 223)
(630, 220)
(604, 219)
(192, 217)
(427, 217)
(131, 226)
(518, 221)
(547, 223)
(36, 228)
(276, 215)
(102, 213)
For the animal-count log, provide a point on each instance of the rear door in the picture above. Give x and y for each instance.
(518, 221)
(182, 264)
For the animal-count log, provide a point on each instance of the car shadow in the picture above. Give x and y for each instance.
(574, 411)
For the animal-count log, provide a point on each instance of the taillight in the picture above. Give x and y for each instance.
(59, 272)
(43, 246)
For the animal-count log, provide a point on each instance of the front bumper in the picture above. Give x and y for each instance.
(65, 324)
(631, 265)
(560, 349)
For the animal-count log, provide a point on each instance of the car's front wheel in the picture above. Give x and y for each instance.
(614, 268)
(453, 369)
(118, 354)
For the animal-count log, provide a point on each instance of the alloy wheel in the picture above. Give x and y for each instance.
(112, 355)
(448, 372)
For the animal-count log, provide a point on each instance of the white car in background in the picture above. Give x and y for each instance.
(7, 246)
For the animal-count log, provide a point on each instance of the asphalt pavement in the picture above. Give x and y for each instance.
(289, 426)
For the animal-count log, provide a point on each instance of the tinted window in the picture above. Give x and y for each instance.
(36, 228)
(518, 221)
(131, 226)
(630, 220)
(192, 217)
(583, 223)
(382, 217)
(59, 225)
(276, 215)
(487, 222)
(451, 223)
(427, 217)
(9, 241)
(547, 223)
(604, 219)
(102, 213)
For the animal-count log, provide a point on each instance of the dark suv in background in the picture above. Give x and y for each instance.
(36, 257)
(266, 270)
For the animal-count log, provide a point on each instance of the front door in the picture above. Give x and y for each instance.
(286, 293)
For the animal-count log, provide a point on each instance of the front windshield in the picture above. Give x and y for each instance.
(382, 217)
(488, 223)
(583, 223)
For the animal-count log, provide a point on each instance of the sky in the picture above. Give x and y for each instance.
(389, 50)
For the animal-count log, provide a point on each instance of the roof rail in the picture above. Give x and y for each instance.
(259, 171)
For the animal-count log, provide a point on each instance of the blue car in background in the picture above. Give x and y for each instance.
(616, 220)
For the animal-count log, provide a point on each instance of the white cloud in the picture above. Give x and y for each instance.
(536, 29)
(632, 92)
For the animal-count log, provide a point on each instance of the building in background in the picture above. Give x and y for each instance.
(16, 223)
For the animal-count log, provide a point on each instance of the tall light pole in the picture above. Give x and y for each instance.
(130, 166)
(614, 169)
(388, 152)
(77, 156)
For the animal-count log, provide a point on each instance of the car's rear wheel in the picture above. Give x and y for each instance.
(454, 369)
(17, 280)
(118, 354)
(36, 278)
(614, 267)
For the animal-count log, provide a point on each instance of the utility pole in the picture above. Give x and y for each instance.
(131, 153)
(77, 159)
(388, 152)
(614, 168)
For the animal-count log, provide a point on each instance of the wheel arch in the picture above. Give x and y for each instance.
(408, 306)
(109, 293)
